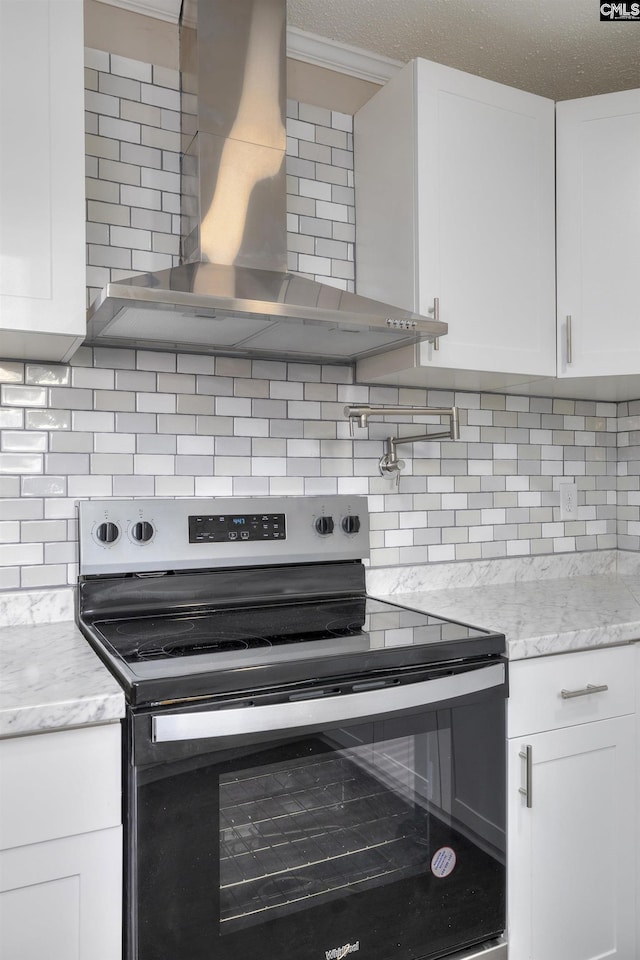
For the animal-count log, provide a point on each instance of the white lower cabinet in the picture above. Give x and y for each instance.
(61, 846)
(572, 811)
(72, 886)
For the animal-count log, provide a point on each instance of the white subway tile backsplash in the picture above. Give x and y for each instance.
(194, 465)
(195, 445)
(232, 466)
(175, 423)
(250, 427)
(269, 466)
(11, 371)
(251, 388)
(163, 180)
(49, 486)
(233, 407)
(119, 129)
(21, 554)
(314, 189)
(18, 509)
(20, 396)
(174, 487)
(124, 67)
(164, 243)
(9, 487)
(316, 152)
(160, 96)
(161, 139)
(111, 257)
(333, 211)
(19, 463)
(113, 442)
(156, 443)
(155, 403)
(41, 531)
(111, 463)
(213, 486)
(214, 426)
(101, 103)
(331, 137)
(9, 531)
(188, 403)
(153, 464)
(128, 486)
(166, 77)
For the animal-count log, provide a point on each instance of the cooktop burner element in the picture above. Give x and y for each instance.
(195, 610)
(150, 649)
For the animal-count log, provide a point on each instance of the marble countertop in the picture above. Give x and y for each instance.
(540, 617)
(50, 678)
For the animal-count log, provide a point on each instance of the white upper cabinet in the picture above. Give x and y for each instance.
(42, 217)
(598, 208)
(454, 180)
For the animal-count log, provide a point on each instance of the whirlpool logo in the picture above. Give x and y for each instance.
(620, 11)
(338, 953)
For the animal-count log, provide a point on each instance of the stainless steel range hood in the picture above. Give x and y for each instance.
(233, 294)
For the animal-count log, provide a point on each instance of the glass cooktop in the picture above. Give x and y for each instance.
(255, 629)
(234, 648)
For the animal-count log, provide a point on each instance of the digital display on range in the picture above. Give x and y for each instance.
(228, 528)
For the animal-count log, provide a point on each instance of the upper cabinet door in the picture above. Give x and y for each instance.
(42, 232)
(455, 202)
(598, 207)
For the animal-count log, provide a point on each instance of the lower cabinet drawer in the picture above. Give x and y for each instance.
(59, 784)
(546, 693)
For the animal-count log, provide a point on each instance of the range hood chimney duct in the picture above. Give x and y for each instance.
(232, 293)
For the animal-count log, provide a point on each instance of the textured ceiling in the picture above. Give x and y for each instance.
(556, 48)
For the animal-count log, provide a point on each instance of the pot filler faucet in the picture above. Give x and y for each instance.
(389, 462)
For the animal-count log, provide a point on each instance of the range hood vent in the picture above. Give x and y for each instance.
(233, 294)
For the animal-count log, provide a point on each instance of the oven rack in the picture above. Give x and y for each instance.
(310, 833)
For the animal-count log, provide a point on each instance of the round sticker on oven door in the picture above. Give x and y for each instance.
(442, 862)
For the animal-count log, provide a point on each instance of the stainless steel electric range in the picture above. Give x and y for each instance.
(309, 772)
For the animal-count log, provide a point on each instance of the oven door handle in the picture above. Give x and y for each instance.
(240, 721)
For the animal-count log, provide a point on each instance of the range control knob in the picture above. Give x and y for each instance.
(107, 532)
(351, 524)
(142, 531)
(324, 526)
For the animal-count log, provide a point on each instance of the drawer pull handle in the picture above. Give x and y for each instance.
(527, 790)
(589, 689)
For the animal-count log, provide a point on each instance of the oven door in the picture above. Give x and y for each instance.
(365, 817)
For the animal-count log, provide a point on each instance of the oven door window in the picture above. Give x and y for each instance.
(382, 839)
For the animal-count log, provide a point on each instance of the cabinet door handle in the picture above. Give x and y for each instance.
(569, 341)
(435, 311)
(585, 692)
(527, 790)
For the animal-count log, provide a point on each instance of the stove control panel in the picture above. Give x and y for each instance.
(221, 529)
(131, 536)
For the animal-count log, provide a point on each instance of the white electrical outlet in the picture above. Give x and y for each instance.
(568, 501)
